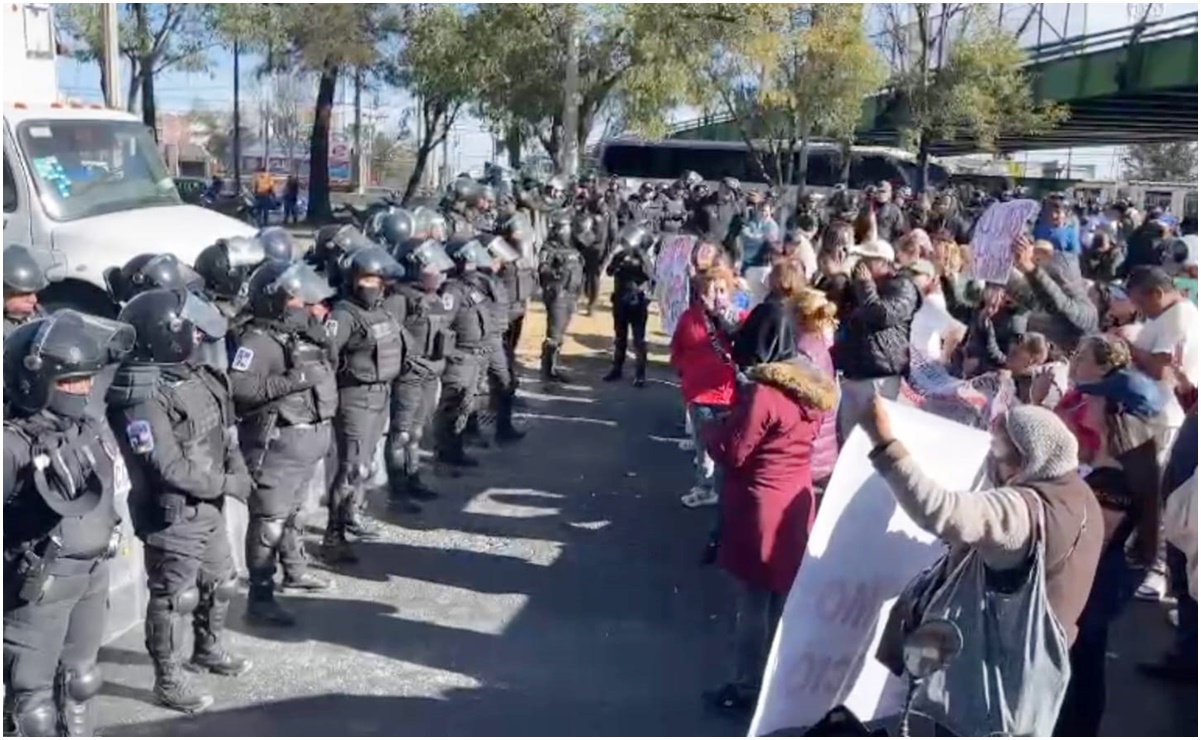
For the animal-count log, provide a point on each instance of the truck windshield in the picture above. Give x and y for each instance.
(87, 168)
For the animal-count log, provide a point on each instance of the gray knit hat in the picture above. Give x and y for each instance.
(1047, 447)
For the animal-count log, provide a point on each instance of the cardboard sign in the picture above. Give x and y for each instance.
(673, 271)
(863, 550)
(992, 241)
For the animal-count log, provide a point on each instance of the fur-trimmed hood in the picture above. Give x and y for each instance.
(800, 380)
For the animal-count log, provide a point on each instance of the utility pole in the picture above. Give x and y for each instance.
(237, 163)
(445, 180)
(358, 131)
(570, 146)
(112, 55)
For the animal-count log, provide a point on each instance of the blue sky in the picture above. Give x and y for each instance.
(471, 145)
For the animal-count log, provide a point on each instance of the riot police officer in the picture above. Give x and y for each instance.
(149, 272)
(429, 224)
(457, 207)
(23, 278)
(332, 248)
(277, 244)
(174, 421)
(587, 233)
(520, 280)
(425, 316)
(631, 271)
(472, 326)
(60, 524)
(497, 377)
(395, 228)
(561, 275)
(286, 396)
(369, 346)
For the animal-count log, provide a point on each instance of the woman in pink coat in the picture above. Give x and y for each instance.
(817, 323)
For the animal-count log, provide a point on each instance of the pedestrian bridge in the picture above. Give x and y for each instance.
(1129, 85)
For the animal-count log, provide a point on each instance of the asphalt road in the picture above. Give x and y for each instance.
(554, 591)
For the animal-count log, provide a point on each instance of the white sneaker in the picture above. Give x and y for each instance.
(1153, 587)
(698, 497)
(1174, 617)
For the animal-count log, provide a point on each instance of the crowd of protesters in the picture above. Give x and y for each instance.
(1094, 449)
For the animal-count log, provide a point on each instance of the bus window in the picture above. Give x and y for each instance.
(825, 168)
(1157, 199)
(868, 169)
(1190, 204)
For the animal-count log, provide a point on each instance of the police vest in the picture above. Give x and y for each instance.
(498, 301)
(68, 461)
(427, 320)
(199, 418)
(471, 323)
(311, 405)
(375, 352)
(565, 271)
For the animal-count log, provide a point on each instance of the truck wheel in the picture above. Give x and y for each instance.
(79, 296)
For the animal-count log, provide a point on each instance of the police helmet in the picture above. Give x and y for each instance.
(633, 236)
(468, 254)
(429, 223)
(498, 249)
(483, 194)
(395, 227)
(64, 345)
(731, 184)
(560, 227)
(274, 283)
(371, 260)
(225, 265)
(427, 256)
(691, 179)
(464, 190)
(147, 272)
(277, 243)
(22, 273)
(516, 229)
(167, 321)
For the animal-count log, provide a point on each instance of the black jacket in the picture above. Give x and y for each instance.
(876, 341)
(989, 339)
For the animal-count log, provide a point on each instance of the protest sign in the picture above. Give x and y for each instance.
(975, 402)
(862, 551)
(992, 240)
(673, 270)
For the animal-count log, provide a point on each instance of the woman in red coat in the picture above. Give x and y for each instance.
(764, 448)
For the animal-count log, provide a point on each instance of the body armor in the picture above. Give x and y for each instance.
(427, 322)
(375, 352)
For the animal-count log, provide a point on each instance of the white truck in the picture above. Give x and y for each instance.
(84, 187)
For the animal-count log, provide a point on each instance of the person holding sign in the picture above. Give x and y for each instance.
(1057, 294)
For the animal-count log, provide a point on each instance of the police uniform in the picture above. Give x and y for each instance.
(11, 323)
(520, 281)
(561, 274)
(370, 349)
(496, 381)
(286, 396)
(175, 425)
(589, 237)
(631, 271)
(57, 542)
(472, 326)
(426, 319)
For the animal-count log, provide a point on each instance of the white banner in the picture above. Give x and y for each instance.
(992, 240)
(863, 550)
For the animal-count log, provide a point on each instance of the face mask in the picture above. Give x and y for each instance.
(68, 405)
(370, 296)
(296, 319)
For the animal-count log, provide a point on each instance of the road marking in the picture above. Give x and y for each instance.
(553, 417)
(550, 398)
(485, 503)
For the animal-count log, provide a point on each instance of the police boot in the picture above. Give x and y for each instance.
(334, 547)
(400, 493)
(74, 688)
(33, 715)
(357, 521)
(208, 654)
(548, 361)
(640, 370)
(166, 618)
(619, 361)
(505, 431)
(295, 561)
(261, 605)
(412, 474)
(473, 433)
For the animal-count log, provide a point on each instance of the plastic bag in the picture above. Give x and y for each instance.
(1011, 677)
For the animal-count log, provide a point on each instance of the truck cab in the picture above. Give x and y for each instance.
(85, 187)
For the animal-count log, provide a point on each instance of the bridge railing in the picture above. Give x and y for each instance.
(1091, 43)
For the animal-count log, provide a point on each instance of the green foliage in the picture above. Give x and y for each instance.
(1174, 161)
(957, 75)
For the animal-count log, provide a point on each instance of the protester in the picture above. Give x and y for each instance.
(914, 246)
(834, 277)
(1102, 261)
(700, 354)
(945, 221)
(772, 321)
(817, 322)
(764, 448)
(291, 199)
(1032, 478)
(759, 229)
(1120, 416)
(996, 326)
(1051, 286)
(1037, 379)
(890, 220)
(873, 354)
(956, 287)
(1056, 225)
(935, 334)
